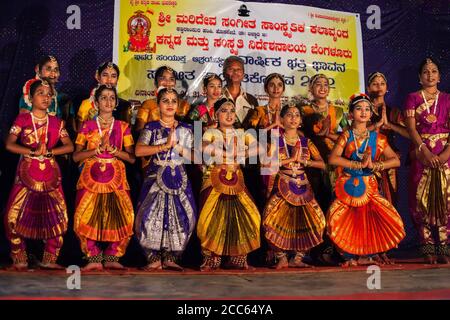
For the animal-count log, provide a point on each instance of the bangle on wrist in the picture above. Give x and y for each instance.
(421, 145)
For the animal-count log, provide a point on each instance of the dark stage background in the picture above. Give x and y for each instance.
(410, 31)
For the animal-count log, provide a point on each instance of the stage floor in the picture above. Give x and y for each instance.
(408, 279)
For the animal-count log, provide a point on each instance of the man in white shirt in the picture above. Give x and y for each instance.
(233, 71)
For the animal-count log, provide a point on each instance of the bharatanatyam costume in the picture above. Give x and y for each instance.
(293, 220)
(36, 208)
(360, 221)
(229, 222)
(166, 211)
(430, 188)
(104, 212)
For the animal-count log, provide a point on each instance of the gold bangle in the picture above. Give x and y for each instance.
(307, 163)
(421, 145)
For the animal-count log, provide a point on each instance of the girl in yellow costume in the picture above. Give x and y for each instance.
(229, 222)
(149, 111)
(360, 220)
(293, 220)
(107, 74)
(104, 212)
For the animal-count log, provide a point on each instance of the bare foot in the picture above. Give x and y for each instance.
(50, 266)
(114, 266)
(93, 266)
(282, 263)
(349, 263)
(296, 263)
(171, 265)
(386, 259)
(366, 261)
(153, 266)
(246, 266)
(18, 267)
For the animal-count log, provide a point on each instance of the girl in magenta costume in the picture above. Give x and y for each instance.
(428, 113)
(36, 208)
(293, 220)
(104, 211)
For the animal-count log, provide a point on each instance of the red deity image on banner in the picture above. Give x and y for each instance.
(139, 31)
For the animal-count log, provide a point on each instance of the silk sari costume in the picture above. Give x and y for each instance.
(166, 211)
(36, 207)
(104, 211)
(429, 197)
(293, 220)
(387, 179)
(88, 109)
(360, 221)
(229, 222)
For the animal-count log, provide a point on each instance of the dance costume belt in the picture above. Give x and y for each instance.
(355, 190)
(227, 179)
(434, 138)
(172, 179)
(41, 175)
(102, 175)
(297, 191)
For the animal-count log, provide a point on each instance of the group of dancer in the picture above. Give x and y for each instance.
(332, 195)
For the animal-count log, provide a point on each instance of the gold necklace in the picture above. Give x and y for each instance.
(317, 108)
(166, 124)
(105, 121)
(291, 139)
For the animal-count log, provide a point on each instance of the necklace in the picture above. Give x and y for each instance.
(105, 121)
(166, 162)
(100, 128)
(292, 139)
(36, 136)
(294, 166)
(365, 136)
(270, 113)
(167, 124)
(317, 109)
(431, 117)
